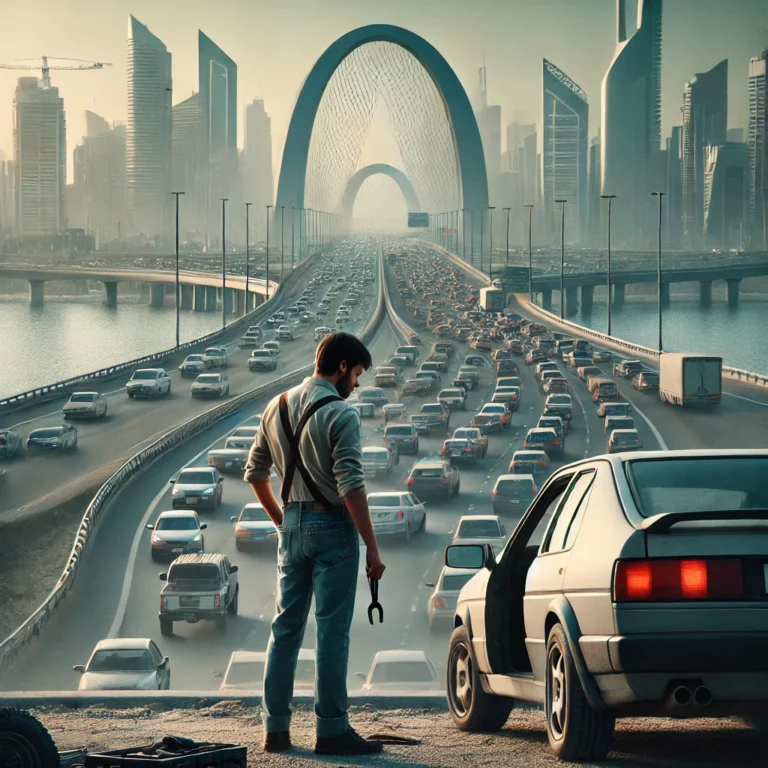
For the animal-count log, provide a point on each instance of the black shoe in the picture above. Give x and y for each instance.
(277, 742)
(349, 743)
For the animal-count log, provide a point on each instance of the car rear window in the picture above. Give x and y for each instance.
(193, 572)
(689, 485)
(195, 478)
(624, 437)
(254, 514)
(399, 431)
(84, 397)
(428, 472)
(454, 582)
(121, 660)
(384, 501)
(510, 486)
(477, 529)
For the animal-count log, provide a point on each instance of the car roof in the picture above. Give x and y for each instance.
(253, 505)
(84, 392)
(529, 451)
(479, 517)
(400, 655)
(382, 494)
(178, 513)
(375, 449)
(201, 558)
(515, 476)
(449, 571)
(197, 469)
(430, 461)
(123, 644)
(624, 432)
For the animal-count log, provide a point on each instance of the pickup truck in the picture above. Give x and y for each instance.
(432, 416)
(453, 399)
(201, 587)
(417, 387)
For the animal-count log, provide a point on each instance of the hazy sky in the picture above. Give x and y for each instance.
(276, 43)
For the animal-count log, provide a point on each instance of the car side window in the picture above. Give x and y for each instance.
(154, 651)
(554, 541)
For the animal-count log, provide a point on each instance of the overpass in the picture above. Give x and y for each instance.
(705, 272)
(199, 292)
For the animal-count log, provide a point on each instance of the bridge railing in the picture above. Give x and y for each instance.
(612, 342)
(30, 630)
(66, 386)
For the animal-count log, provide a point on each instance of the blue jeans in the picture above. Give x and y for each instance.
(317, 553)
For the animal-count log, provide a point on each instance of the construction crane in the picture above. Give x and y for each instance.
(46, 66)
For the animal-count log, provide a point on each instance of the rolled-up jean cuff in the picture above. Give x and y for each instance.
(330, 726)
(276, 724)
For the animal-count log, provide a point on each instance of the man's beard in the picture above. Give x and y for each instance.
(344, 385)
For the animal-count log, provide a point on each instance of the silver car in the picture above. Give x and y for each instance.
(91, 405)
(176, 533)
(379, 460)
(125, 664)
(398, 514)
(262, 360)
(245, 671)
(441, 605)
(634, 585)
(193, 365)
(401, 670)
(197, 487)
(253, 526)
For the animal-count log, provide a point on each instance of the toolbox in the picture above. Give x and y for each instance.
(172, 752)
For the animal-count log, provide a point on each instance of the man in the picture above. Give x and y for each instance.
(324, 508)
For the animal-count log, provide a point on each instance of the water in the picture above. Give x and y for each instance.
(62, 339)
(737, 335)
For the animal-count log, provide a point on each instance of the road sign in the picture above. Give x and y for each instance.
(515, 279)
(418, 220)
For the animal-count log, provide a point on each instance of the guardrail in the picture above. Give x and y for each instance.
(612, 342)
(30, 630)
(41, 394)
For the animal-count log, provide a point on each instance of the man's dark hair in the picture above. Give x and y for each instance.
(335, 348)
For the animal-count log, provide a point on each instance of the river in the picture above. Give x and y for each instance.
(65, 339)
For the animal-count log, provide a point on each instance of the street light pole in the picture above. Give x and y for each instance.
(301, 233)
(506, 266)
(491, 208)
(224, 261)
(472, 237)
(178, 288)
(464, 234)
(482, 236)
(610, 199)
(247, 256)
(660, 195)
(267, 267)
(530, 251)
(562, 259)
(293, 234)
(282, 243)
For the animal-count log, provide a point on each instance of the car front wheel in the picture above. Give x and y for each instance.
(575, 731)
(471, 707)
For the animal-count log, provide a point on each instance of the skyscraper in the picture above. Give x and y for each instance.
(705, 122)
(756, 142)
(259, 181)
(217, 83)
(148, 132)
(674, 187)
(595, 213)
(7, 196)
(563, 149)
(726, 173)
(631, 123)
(189, 160)
(39, 147)
(489, 123)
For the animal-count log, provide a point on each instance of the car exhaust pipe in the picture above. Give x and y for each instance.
(702, 696)
(681, 696)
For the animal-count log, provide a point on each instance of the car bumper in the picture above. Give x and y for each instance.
(390, 528)
(406, 449)
(205, 393)
(172, 551)
(89, 414)
(511, 506)
(193, 615)
(195, 502)
(144, 392)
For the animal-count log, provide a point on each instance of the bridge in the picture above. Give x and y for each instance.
(199, 292)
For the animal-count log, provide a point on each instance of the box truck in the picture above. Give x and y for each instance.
(686, 379)
(492, 299)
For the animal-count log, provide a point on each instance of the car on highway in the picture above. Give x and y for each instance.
(601, 356)
(454, 399)
(441, 605)
(469, 372)
(379, 460)
(11, 444)
(614, 409)
(374, 395)
(176, 533)
(386, 376)
(60, 438)
(476, 361)
(397, 513)
(603, 389)
(201, 587)
(579, 359)
(545, 365)
(149, 382)
(197, 487)
(411, 351)
(284, 333)
(434, 476)
(461, 452)
(364, 410)
(487, 423)
(401, 670)
(585, 371)
(253, 527)
(673, 534)
(475, 436)
(398, 361)
(431, 416)
(544, 439)
(91, 405)
(262, 360)
(210, 385)
(248, 430)
(626, 369)
(216, 357)
(394, 412)
(617, 422)
(481, 529)
(502, 410)
(272, 346)
(125, 664)
(232, 457)
(193, 365)
(621, 440)
(322, 331)
(403, 437)
(245, 671)
(513, 493)
(646, 381)
(529, 462)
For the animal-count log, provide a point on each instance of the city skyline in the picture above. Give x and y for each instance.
(554, 33)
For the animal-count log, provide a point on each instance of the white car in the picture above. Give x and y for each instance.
(272, 346)
(149, 382)
(248, 430)
(253, 526)
(210, 385)
(401, 671)
(216, 357)
(90, 404)
(262, 360)
(125, 664)
(284, 333)
(193, 365)
(397, 513)
(481, 529)
(245, 671)
(441, 605)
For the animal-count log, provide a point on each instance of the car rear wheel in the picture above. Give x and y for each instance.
(471, 707)
(24, 741)
(233, 606)
(575, 731)
(166, 627)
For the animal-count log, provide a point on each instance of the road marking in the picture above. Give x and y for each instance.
(656, 433)
(749, 400)
(131, 565)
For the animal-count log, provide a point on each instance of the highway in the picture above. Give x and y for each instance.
(117, 590)
(38, 483)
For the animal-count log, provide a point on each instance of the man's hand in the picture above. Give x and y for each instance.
(374, 564)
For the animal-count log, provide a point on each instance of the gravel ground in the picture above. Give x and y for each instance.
(711, 743)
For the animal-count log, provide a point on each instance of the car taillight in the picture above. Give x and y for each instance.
(240, 530)
(555, 442)
(399, 514)
(163, 603)
(678, 579)
(438, 602)
(217, 601)
(409, 481)
(494, 494)
(443, 480)
(467, 450)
